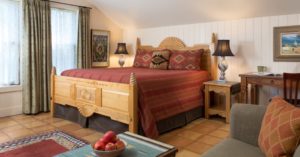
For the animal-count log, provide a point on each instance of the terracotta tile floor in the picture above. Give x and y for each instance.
(191, 140)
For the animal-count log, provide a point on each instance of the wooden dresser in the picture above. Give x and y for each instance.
(257, 80)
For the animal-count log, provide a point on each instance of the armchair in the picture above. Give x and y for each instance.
(245, 126)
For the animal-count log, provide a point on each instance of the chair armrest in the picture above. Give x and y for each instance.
(246, 121)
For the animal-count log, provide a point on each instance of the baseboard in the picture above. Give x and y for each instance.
(10, 111)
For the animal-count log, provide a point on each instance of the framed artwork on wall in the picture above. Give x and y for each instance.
(287, 44)
(100, 48)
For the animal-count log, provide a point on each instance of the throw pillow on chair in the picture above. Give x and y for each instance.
(280, 130)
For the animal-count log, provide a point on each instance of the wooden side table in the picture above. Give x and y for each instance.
(226, 88)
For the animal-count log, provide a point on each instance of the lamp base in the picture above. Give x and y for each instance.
(221, 81)
(223, 66)
(121, 61)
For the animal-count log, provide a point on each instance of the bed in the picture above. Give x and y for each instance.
(134, 96)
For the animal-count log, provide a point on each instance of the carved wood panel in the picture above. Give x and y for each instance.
(89, 95)
(86, 109)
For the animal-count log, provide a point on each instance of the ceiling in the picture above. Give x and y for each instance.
(155, 13)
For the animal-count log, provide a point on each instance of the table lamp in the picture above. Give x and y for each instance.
(121, 50)
(222, 50)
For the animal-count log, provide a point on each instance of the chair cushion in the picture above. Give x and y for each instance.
(185, 59)
(142, 58)
(233, 148)
(280, 130)
(160, 60)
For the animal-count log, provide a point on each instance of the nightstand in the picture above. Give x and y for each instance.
(224, 88)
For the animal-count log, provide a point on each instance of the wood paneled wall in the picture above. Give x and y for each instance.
(251, 42)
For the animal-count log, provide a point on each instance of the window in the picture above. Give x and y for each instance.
(64, 38)
(9, 43)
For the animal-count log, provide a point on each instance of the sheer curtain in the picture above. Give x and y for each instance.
(9, 43)
(64, 25)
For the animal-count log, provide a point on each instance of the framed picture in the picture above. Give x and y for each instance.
(287, 44)
(100, 48)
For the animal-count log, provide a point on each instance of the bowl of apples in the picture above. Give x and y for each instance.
(109, 145)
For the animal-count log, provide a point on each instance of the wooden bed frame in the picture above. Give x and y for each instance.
(115, 100)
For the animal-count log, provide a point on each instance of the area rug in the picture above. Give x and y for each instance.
(43, 145)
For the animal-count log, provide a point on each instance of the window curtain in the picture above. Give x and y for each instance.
(9, 43)
(64, 25)
(36, 63)
(84, 50)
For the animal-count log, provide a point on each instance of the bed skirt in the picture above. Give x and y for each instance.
(103, 123)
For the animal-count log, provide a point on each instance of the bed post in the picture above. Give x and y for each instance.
(133, 107)
(53, 73)
(214, 60)
(138, 43)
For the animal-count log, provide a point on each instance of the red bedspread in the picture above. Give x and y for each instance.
(162, 93)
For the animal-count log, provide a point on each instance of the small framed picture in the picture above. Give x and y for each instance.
(287, 44)
(100, 48)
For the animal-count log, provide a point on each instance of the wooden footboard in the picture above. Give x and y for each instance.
(115, 100)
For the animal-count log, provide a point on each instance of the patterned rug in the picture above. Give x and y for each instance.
(43, 145)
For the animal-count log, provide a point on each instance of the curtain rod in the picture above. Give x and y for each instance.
(70, 4)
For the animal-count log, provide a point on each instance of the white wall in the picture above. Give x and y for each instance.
(251, 42)
(10, 101)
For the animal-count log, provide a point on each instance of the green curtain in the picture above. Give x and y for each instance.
(36, 56)
(84, 42)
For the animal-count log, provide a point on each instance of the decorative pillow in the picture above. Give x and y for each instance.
(142, 58)
(160, 59)
(280, 130)
(185, 60)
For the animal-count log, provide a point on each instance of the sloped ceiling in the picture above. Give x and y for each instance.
(154, 13)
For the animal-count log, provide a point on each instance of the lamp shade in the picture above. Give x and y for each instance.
(121, 49)
(223, 48)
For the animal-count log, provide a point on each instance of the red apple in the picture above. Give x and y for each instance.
(115, 140)
(99, 145)
(110, 146)
(120, 144)
(104, 140)
(109, 136)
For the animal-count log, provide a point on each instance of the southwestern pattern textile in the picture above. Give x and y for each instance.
(162, 93)
(43, 145)
(160, 60)
(280, 130)
(142, 58)
(185, 60)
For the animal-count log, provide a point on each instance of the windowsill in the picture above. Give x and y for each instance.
(8, 89)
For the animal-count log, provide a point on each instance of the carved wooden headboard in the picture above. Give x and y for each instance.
(174, 43)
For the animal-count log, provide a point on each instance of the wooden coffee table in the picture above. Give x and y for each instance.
(138, 146)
